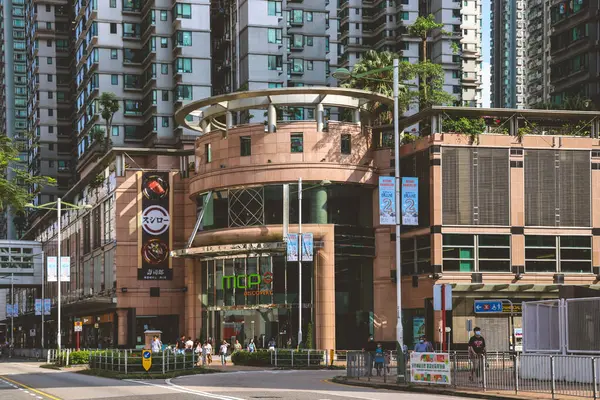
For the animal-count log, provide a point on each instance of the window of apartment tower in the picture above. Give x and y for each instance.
(49, 43)
(207, 153)
(113, 3)
(48, 8)
(113, 28)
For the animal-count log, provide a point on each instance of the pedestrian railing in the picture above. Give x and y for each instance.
(130, 361)
(555, 375)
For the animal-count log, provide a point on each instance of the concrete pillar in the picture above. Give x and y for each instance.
(320, 117)
(229, 119)
(325, 291)
(206, 126)
(434, 124)
(357, 116)
(122, 326)
(272, 118)
(319, 209)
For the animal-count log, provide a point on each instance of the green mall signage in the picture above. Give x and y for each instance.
(249, 281)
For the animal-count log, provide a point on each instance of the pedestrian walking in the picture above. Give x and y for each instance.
(476, 353)
(251, 346)
(208, 351)
(423, 346)
(379, 359)
(156, 345)
(223, 352)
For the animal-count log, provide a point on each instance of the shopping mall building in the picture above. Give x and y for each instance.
(192, 241)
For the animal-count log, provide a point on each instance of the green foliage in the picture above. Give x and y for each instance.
(471, 127)
(423, 26)
(309, 336)
(109, 105)
(15, 180)
(256, 359)
(575, 103)
(382, 82)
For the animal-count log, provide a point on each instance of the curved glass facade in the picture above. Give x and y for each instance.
(338, 204)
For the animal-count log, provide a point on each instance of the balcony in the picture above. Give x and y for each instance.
(133, 108)
(132, 82)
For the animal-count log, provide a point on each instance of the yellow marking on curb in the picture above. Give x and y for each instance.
(29, 388)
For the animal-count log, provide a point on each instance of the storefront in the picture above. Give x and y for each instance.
(253, 295)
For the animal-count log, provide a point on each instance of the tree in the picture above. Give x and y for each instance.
(109, 105)
(382, 82)
(17, 186)
(421, 28)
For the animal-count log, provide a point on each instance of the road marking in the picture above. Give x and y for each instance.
(22, 387)
(181, 389)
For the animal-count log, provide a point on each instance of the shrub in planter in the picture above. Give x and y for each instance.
(256, 359)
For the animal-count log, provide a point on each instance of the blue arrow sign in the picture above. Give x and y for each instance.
(488, 306)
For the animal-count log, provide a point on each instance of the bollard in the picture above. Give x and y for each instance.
(331, 356)
(553, 388)
(125, 362)
(163, 362)
(309, 358)
(276, 357)
(595, 375)
(292, 357)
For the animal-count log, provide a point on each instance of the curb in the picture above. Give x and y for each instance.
(423, 389)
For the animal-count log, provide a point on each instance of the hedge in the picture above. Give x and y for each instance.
(255, 359)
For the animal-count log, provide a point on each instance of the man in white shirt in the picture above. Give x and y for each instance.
(156, 345)
(189, 344)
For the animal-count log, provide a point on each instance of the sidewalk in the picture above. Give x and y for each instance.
(378, 383)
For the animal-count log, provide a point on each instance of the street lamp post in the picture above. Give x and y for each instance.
(12, 314)
(344, 74)
(58, 206)
(299, 261)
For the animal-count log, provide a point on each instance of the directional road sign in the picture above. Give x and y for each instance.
(488, 306)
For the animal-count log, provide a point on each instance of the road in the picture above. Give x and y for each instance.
(21, 380)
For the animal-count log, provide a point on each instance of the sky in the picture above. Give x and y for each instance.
(485, 41)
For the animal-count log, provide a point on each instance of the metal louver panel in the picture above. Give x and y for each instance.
(557, 188)
(417, 165)
(540, 190)
(574, 188)
(493, 191)
(457, 186)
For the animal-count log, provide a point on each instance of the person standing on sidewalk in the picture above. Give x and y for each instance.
(223, 352)
(370, 349)
(476, 353)
(424, 346)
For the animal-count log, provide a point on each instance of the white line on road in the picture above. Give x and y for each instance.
(181, 389)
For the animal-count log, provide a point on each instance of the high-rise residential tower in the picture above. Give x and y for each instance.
(509, 53)
(383, 25)
(537, 65)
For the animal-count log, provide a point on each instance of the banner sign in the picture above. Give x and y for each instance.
(307, 247)
(410, 201)
(430, 368)
(47, 306)
(65, 269)
(52, 269)
(155, 224)
(387, 200)
(292, 247)
(38, 306)
(12, 310)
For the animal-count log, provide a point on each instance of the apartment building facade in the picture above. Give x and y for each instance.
(382, 25)
(510, 51)
(538, 53)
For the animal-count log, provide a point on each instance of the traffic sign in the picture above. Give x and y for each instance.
(516, 308)
(78, 326)
(488, 306)
(146, 359)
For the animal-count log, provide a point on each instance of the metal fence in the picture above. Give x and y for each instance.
(130, 361)
(307, 358)
(555, 375)
(563, 326)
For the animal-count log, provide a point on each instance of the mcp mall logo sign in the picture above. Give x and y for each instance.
(249, 282)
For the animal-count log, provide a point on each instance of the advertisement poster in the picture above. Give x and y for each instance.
(65, 269)
(292, 247)
(418, 328)
(410, 201)
(52, 269)
(47, 306)
(307, 247)
(430, 368)
(38, 306)
(387, 200)
(9, 309)
(155, 223)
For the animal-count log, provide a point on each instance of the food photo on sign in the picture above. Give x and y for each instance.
(156, 224)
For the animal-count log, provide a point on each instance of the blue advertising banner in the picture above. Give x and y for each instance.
(292, 247)
(410, 201)
(9, 309)
(47, 306)
(387, 200)
(38, 306)
(52, 269)
(307, 247)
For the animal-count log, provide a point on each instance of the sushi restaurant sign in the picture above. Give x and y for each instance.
(430, 368)
(250, 282)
